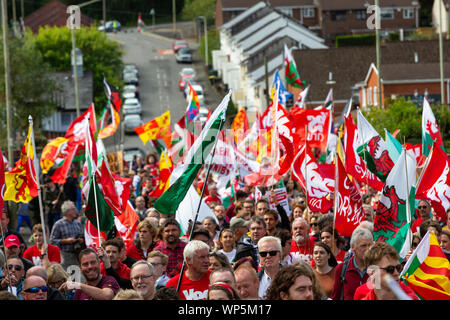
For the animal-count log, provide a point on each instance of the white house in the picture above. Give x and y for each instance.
(246, 41)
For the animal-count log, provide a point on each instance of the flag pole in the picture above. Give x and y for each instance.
(408, 214)
(96, 212)
(365, 161)
(222, 120)
(336, 186)
(41, 210)
(306, 168)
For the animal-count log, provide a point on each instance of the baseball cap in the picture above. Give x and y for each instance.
(238, 222)
(12, 240)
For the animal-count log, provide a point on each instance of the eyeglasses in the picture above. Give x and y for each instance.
(36, 289)
(15, 267)
(142, 278)
(157, 263)
(271, 253)
(56, 283)
(314, 224)
(422, 207)
(391, 269)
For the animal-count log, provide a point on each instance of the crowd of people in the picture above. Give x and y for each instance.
(247, 250)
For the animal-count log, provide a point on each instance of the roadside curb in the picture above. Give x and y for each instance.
(154, 35)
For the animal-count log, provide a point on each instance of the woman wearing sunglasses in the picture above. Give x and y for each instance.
(381, 260)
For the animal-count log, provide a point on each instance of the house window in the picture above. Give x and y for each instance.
(369, 96)
(338, 15)
(308, 13)
(286, 11)
(375, 96)
(408, 13)
(360, 14)
(386, 14)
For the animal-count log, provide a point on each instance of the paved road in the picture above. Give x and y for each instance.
(158, 82)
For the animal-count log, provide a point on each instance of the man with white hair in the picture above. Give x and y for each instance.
(68, 232)
(269, 250)
(143, 279)
(352, 273)
(302, 243)
(195, 280)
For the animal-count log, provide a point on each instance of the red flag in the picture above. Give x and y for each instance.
(108, 189)
(77, 128)
(317, 122)
(354, 164)
(165, 170)
(60, 174)
(434, 184)
(317, 179)
(113, 95)
(91, 235)
(123, 187)
(349, 212)
(285, 136)
(126, 224)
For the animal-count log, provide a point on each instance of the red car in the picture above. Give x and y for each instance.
(185, 74)
(178, 44)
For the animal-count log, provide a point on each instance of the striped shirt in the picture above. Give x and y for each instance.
(63, 229)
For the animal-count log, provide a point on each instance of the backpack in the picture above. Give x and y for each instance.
(346, 261)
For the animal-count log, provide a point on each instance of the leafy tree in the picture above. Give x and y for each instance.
(213, 44)
(31, 89)
(195, 8)
(100, 55)
(407, 116)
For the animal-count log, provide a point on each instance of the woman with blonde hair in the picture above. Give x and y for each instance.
(144, 244)
(57, 276)
(127, 294)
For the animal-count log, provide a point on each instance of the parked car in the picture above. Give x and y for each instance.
(198, 89)
(130, 92)
(131, 68)
(132, 106)
(132, 121)
(202, 115)
(111, 26)
(185, 73)
(130, 78)
(184, 55)
(178, 44)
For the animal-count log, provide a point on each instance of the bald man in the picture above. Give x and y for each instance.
(39, 271)
(34, 288)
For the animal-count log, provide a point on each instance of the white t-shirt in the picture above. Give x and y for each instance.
(264, 285)
(230, 255)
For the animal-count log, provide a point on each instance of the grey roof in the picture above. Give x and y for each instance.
(330, 5)
(232, 4)
(65, 98)
(413, 72)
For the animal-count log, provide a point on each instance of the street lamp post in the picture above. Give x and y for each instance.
(206, 40)
(152, 13)
(7, 84)
(75, 71)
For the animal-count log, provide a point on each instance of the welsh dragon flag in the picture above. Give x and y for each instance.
(184, 174)
(372, 148)
(396, 207)
(430, 129)
(290, 70)
(434, 183)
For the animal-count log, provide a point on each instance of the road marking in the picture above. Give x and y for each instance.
(165, 52)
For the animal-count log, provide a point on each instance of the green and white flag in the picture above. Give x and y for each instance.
(372, 148)
(430, 129)
(394, 147)
(396, 207)
(184, 174)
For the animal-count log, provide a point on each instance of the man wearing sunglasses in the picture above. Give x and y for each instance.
(13, 280)
(382, 260)
(269, 249)
(34, 288)
(423, 215)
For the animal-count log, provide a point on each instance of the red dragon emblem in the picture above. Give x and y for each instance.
(385, 217)
(383, 163)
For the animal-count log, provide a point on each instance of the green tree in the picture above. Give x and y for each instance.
(31, 89)
(213, 44)
(195, 8)
(407, 116)
(100, 55)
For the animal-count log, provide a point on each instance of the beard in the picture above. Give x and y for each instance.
(299, 238)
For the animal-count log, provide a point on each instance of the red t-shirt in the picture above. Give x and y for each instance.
(122, 270)
(416, 225)
(303, 253)
(366, 292)
(34, 255)
(191, 290)
(215, 199)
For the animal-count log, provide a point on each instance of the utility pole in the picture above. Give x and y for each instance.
(174, 17)
(441, 52)
(104, 14)
(266, 75)
(377, 36)
(14, 17)
(7, 81)
(75, 72)
(206, 41)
